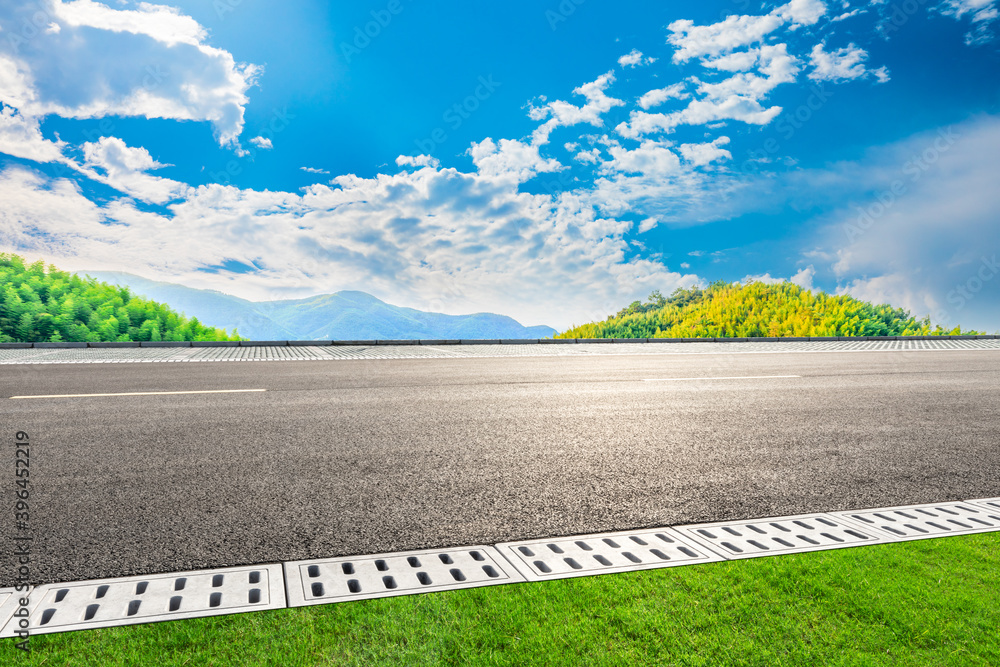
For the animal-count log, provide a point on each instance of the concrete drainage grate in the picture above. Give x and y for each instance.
(992, 504)
(780, 535)
(374, 576)
(914, 522)
(127, 600)
(102, 603)
(9, 602)
(585, 555)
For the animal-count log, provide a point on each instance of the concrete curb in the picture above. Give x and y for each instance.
(475, 341)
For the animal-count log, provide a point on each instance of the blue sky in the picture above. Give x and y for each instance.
(548, 160)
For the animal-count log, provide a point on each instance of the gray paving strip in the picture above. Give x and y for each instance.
(348, 352)
(83, 605)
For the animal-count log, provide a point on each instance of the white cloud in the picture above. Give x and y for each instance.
(843, 64)
(982, 14)
(802, 12)
(658, 96)
(114, 156)
(593, 156)
(691, 41)
(314, 170)
(562, 114)
(510, 157)
(414, 161)
(699, 112)
(20, 137)
(738, 61)
(776, 65)
(262, 142)
(651, 157)
(737, 97)
(920, 229)
(647, 224)
(847, 15)
(634, 59)
(435, 239)
(109, 160)
(765, 278)
(160, 66)
(804, 278)
(702, 154)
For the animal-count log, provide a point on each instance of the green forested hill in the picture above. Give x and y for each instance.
(39, 304)
(730, 310)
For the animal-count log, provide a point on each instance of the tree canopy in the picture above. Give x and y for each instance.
(734, 310)
(39, 304)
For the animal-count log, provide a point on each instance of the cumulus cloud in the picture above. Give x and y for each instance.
(658, 96)
(593, 156)
(415, 161)
(765, 278)
(111, 161)
(738, 97)
(634, 59)
(647, 224)
(95, 61)
(21, 137)
(434, 238)
(694, 41)
(705, 153)
(842, 64)
(561, 114)
(804, 278)
(510, 157)
(315, 170)
(262, 142)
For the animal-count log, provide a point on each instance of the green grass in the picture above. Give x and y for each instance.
(931, 602)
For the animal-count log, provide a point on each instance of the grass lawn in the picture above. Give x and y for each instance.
(930, 602)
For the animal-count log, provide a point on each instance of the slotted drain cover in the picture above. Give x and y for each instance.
(361, 577)
(992, 504)
(913, 522)
(780, 535)
(585, 555)
(9, 602)
(109, 602)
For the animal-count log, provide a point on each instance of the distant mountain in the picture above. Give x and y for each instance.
(344, 315)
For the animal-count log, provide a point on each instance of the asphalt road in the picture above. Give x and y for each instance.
(368, 456)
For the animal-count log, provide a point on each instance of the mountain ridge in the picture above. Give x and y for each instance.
(343, 315)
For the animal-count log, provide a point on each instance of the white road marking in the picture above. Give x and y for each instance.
(741, 377)
(144, 393)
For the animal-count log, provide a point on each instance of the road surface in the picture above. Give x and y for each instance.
(375, 455)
